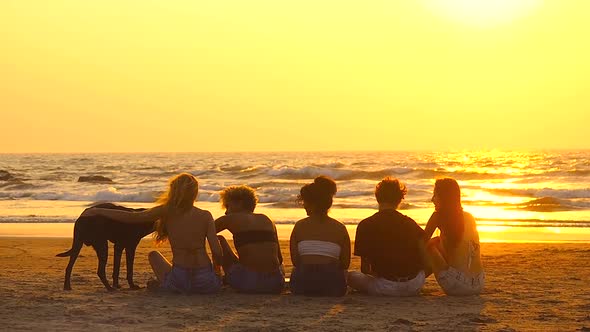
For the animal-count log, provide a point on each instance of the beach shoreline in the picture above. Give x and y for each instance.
(488, 234)
(528, 287)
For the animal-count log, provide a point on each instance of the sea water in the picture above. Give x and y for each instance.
(514, 195)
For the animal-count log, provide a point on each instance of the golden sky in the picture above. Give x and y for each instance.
(267, 75)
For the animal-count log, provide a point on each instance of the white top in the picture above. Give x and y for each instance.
(320, 248)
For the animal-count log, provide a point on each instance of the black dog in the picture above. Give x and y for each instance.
(96, 231)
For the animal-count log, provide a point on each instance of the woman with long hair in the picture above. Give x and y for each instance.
(455, 256)
(319, 244)
(186, 227)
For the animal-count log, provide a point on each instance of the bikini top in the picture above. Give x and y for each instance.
(249, 237)
(319, 248)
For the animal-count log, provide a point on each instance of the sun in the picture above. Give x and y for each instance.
(483, 13)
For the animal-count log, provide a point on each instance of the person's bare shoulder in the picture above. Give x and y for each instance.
(468, 216)
(302, 223)
(337, 223)
(469, 221)
(202, 214)
(342, 226)
(262, 216)
(226, 218)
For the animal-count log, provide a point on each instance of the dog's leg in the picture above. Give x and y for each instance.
(76, 247)
(102, 251)
(117, 264)
(130, 257)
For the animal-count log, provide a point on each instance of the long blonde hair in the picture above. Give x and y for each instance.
(178, 199)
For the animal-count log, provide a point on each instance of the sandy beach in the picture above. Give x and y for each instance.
(530, 287)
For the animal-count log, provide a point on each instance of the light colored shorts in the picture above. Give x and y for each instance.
(385, 287)
(455, 282)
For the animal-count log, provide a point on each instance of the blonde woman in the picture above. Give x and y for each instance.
(186, 227)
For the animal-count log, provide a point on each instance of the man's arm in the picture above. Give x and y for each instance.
(426, 264)
(280, 255)
(345, 250)
(362, 247)
(366, 267)
(293, 247)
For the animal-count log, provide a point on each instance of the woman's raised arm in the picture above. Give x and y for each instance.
(431, 226)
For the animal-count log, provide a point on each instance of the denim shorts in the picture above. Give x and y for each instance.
(455, 282)
(245, 280)
(318, 280)
(192, 280)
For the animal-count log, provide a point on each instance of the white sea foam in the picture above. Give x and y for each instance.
(278, 177)
(563, 193)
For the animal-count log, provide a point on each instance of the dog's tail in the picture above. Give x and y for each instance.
(74, 240)
(64, 254)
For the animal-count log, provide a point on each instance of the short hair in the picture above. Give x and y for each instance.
(243, 194)
(390, 190)
(318, 194)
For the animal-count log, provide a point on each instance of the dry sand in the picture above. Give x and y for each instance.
(530, 287)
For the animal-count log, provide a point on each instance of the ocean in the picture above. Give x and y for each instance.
(516, 196)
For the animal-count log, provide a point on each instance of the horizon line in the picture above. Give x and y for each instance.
(307, 151)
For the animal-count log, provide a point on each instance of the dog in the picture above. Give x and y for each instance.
(96, 231)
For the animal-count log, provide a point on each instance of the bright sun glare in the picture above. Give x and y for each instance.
(483, 13)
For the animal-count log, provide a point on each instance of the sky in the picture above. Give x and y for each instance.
(306, 75)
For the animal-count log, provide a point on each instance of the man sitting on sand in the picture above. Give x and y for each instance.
(391, 247)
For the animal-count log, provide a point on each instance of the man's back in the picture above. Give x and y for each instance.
(390, 241)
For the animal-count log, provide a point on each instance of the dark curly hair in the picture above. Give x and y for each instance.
(243, 194)
(317, 196)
